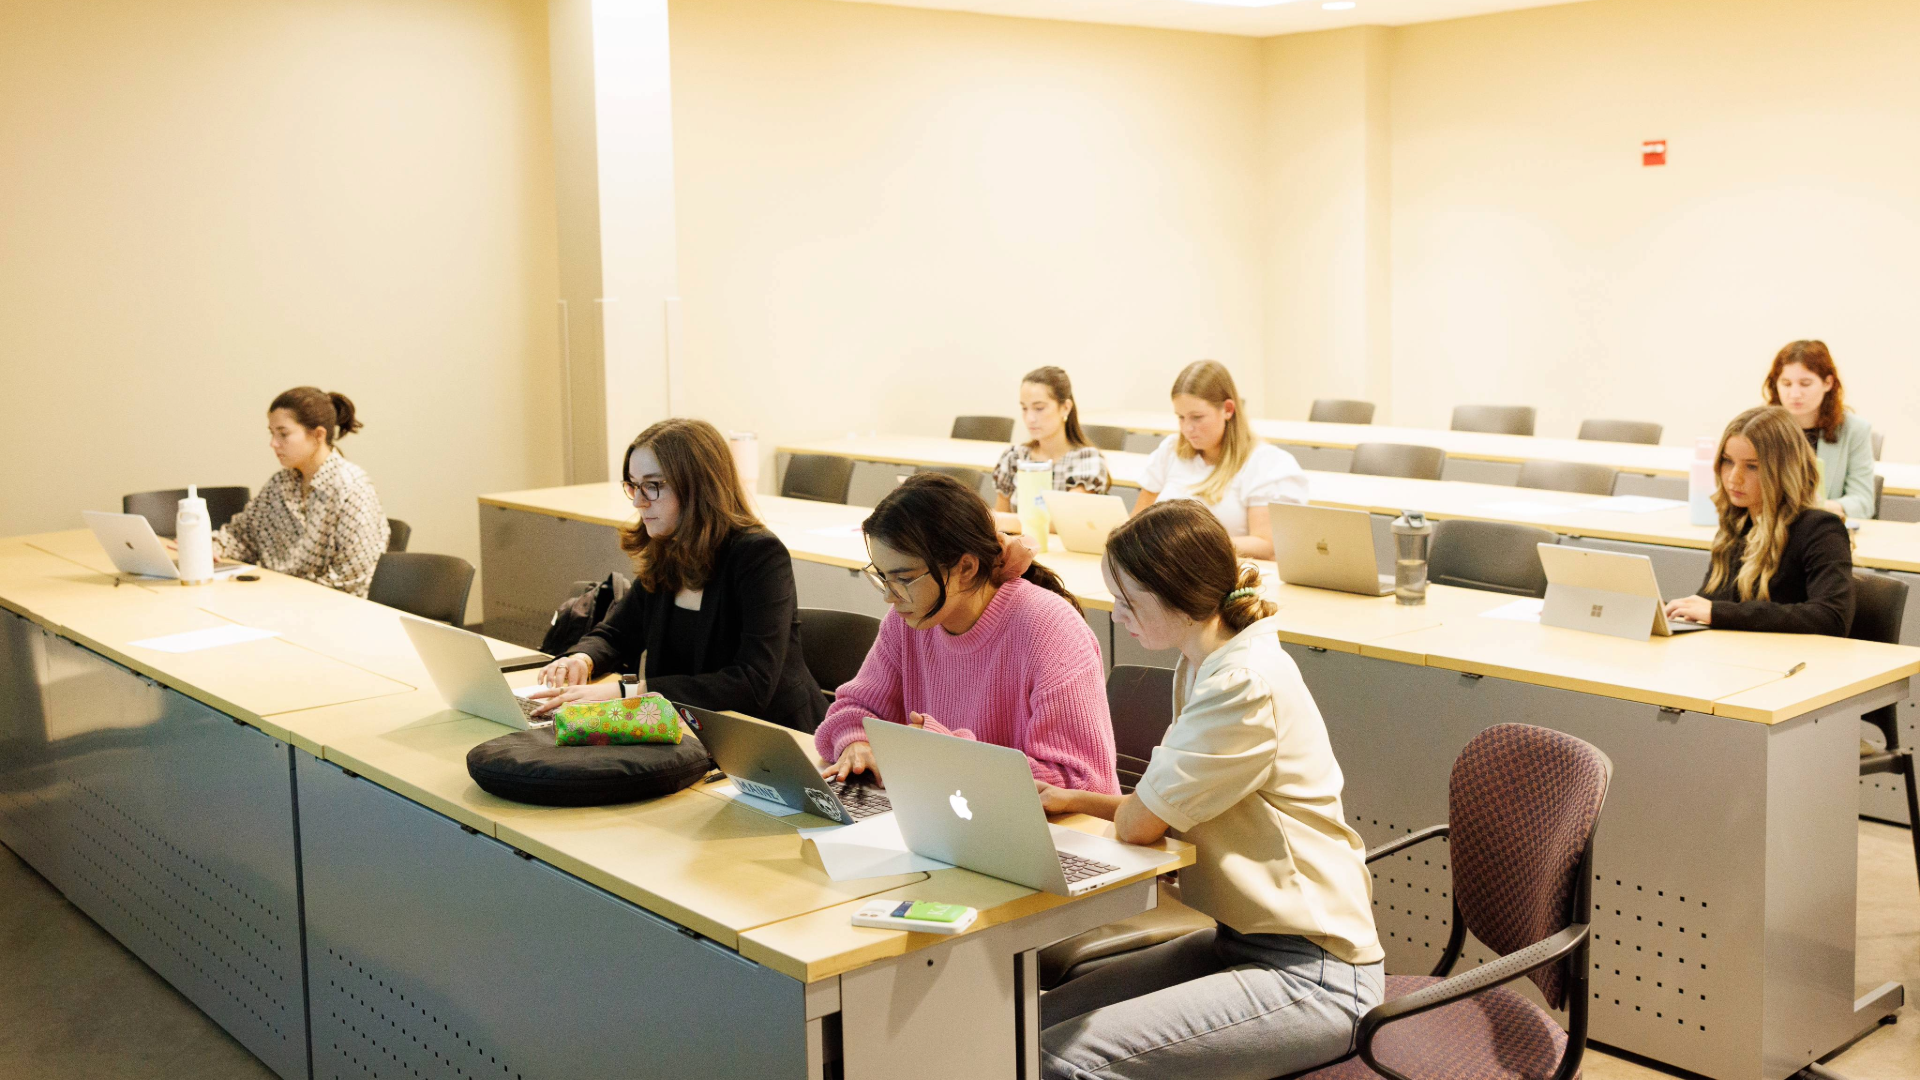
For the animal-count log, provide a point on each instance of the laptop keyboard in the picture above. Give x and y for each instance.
(527, 706)
(860, 800)
(1078, 868)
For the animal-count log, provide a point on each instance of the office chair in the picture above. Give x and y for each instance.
(834, 644)
(1399, 459)
(817, 477)
(1501, 419)
(1627, 431)
(1567, 476)
(161, 507)
(430, 586)
(1105, 436)
(985, 428)
(1879, 608)
(1495, 556)
(1340, 411)
(398, 533)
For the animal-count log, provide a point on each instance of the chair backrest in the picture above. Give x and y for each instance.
(1879, 444)
(430, 586)
(1105, 436)
(985, 428)
(835, 643)
(1879, 607)
(1568, 476)
(1141, 702)
(1340, 411)
(1879, 489)
(1494, 556)
(1501, 419)
(974, 479)
(819, 477)
(161, 507)
(1399, 459)
(1633, 431)
(1522, 806)
(398, 533)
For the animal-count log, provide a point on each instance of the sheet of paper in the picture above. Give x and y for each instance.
(1523, 508)
(196, 640)
(869, 848)
(726, 790)
(1631, 504)
(838, 531)
(1525, 609)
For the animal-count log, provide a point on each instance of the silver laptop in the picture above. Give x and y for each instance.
(764, 761)
(1083, 520)
(464, 671)
(129, 540)
(973, 804)
(1606, 592)
(1325, 548)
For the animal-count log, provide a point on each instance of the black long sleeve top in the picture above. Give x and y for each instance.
(1810, 593)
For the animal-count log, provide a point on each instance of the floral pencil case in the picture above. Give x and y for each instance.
(648, 718)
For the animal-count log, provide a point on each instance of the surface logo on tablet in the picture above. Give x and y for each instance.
(1597, 609)
(960, 807)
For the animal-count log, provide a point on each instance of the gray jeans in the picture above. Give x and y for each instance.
(1214, 1003)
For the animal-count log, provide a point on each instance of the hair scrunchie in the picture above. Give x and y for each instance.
(1238, 593)
(1016, 555)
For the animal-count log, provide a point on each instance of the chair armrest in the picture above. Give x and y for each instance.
(1464, 985)
(1407, 841)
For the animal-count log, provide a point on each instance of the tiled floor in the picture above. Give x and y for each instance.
(74, 1004)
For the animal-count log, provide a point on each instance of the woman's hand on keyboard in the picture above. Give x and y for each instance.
(554, 697)
(856, 759)
(570, 670)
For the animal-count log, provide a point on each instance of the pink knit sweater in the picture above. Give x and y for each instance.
(1027, 675)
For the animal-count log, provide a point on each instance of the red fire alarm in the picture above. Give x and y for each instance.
(1653, 152)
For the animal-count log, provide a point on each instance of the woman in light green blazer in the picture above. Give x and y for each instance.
(1805, 382)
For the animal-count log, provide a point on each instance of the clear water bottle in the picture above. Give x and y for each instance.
(1031, 482)
(1411, 537)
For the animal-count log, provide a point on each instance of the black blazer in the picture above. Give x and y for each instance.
(1812, 591)
(747, 653)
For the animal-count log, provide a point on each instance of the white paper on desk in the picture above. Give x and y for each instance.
(727, 790)
(1521, 508)
(1526, 609)
(196, 640)
(1631, 504)
(838, 531)
(868, 848)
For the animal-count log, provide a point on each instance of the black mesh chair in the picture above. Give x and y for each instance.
(161, 507)
(1340, 411)
(398, 533)
(1879, 608)
(984, 428)
(817, 477)
(834, 644)
(430, 586)
(1628, 431)
(1491, 555)
(1523, 804)
(1399, 459)
(1105, 436)
(1568, 476)
(1499, 419)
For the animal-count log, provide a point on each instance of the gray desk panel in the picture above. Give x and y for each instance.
(438, 952)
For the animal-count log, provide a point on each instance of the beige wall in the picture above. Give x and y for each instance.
(209, 201)
(887, 215)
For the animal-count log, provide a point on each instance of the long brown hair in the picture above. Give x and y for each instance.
(1813, 356)
(1179, 552)
(317, 408)
(698, 466)
(1789, 485)
(1210, 381)
(1060, 388)
(939, 520)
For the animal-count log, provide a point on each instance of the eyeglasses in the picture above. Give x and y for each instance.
(890, 586)
(652, 489)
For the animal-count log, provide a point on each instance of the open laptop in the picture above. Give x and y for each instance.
(1083, 520)
(129, 540)
(1606, 592)
(764, 761)
(973, 804)
(1326, 548)
(464, 671)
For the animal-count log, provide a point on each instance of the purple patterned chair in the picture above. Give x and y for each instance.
(1522, 806)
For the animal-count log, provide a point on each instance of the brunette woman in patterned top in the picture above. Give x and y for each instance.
(1048, 410)
(318, 517)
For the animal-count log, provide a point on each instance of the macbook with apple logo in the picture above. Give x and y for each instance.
(973, 804)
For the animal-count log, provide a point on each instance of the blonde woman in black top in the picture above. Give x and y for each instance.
(1780, 562)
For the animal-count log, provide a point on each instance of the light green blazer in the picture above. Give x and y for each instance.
(1849, 466)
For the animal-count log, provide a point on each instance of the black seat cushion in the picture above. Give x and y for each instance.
(527, 767)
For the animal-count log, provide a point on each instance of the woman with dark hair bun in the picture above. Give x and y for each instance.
(981, 643)
(318, 517)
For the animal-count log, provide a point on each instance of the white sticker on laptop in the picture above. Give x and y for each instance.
(757, 790)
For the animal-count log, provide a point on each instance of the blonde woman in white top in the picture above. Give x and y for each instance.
(1216, 460)
(1246, 774)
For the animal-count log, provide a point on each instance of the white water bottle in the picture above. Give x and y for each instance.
(745, 446)
(1700, 508)
(193, 537)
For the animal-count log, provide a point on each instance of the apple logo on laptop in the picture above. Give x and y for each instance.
(960, 807)
(1321, 547)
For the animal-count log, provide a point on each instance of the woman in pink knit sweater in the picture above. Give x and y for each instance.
(970, 649)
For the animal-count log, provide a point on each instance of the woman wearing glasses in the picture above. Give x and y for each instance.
(980, 644)
(712, 606)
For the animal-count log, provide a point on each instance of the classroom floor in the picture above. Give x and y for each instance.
(74, 1004)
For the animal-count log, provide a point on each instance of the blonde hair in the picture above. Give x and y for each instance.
(1210, 381)
(1789, 485)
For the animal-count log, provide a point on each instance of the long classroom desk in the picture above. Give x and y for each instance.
(284, 829)
(1725, 873)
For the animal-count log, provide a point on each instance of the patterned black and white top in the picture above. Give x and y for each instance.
(1082, 467)
(333, 533)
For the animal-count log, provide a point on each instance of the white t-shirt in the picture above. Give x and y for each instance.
(1269, 476)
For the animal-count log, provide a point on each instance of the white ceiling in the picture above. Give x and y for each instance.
(1253, 18)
